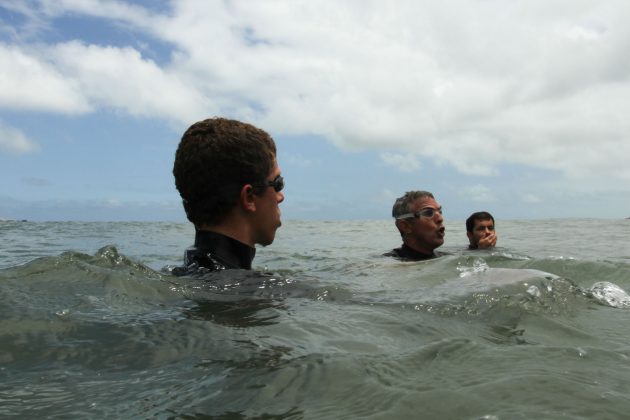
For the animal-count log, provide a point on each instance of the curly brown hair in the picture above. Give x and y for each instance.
(213, 161)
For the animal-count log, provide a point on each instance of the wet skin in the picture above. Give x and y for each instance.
(268, 211)
(424, 234)
(483, 234)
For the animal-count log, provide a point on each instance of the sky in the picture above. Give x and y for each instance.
(519, 108)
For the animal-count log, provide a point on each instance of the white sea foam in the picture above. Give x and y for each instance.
(610, 294)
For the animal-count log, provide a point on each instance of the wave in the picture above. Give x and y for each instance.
(104, 335)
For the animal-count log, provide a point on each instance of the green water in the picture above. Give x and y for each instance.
(537, 328)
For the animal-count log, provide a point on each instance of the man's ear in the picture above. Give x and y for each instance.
(246, 198)
(403, 226)
(470, 237)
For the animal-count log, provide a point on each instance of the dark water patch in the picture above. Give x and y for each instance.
(238, 314)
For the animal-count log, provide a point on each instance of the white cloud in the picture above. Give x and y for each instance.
(297, 159)
(113, 202)
(580, 33)
(111, 9)
(14, 141)
(531, 198)
(27, 82)
(474, 85)
(403, 163)
(479, 193)
(120, 78)
(387, 197)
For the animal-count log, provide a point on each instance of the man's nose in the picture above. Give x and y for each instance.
(280, 196)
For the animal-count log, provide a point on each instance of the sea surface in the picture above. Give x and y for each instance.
(92, 325)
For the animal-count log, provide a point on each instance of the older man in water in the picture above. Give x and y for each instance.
(418, 217)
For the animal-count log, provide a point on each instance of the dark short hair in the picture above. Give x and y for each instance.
(213, 161)
(401, 205)
(480, 215)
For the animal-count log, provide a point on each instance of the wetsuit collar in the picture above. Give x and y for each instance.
(229, 252)
(411, 254)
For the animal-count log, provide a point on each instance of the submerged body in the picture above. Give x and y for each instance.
(406, 253)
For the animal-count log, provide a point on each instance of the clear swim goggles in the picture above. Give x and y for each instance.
(427, 212)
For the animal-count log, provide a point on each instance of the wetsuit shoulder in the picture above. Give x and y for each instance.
(405, 253)
(196, 262)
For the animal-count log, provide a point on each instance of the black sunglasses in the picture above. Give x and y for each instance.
(277, 183)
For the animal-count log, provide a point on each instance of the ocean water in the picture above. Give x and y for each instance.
(91, 326)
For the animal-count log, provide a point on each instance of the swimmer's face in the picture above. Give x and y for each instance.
(267, 219)
(481, 230)
(424, 234)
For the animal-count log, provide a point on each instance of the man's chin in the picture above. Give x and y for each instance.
(268, 241)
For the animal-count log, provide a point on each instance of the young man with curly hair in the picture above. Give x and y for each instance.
(229, 180)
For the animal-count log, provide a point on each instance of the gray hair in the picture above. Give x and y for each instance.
(401, 206)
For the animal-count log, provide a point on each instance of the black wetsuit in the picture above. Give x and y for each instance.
(213, 252)
(405, 253)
